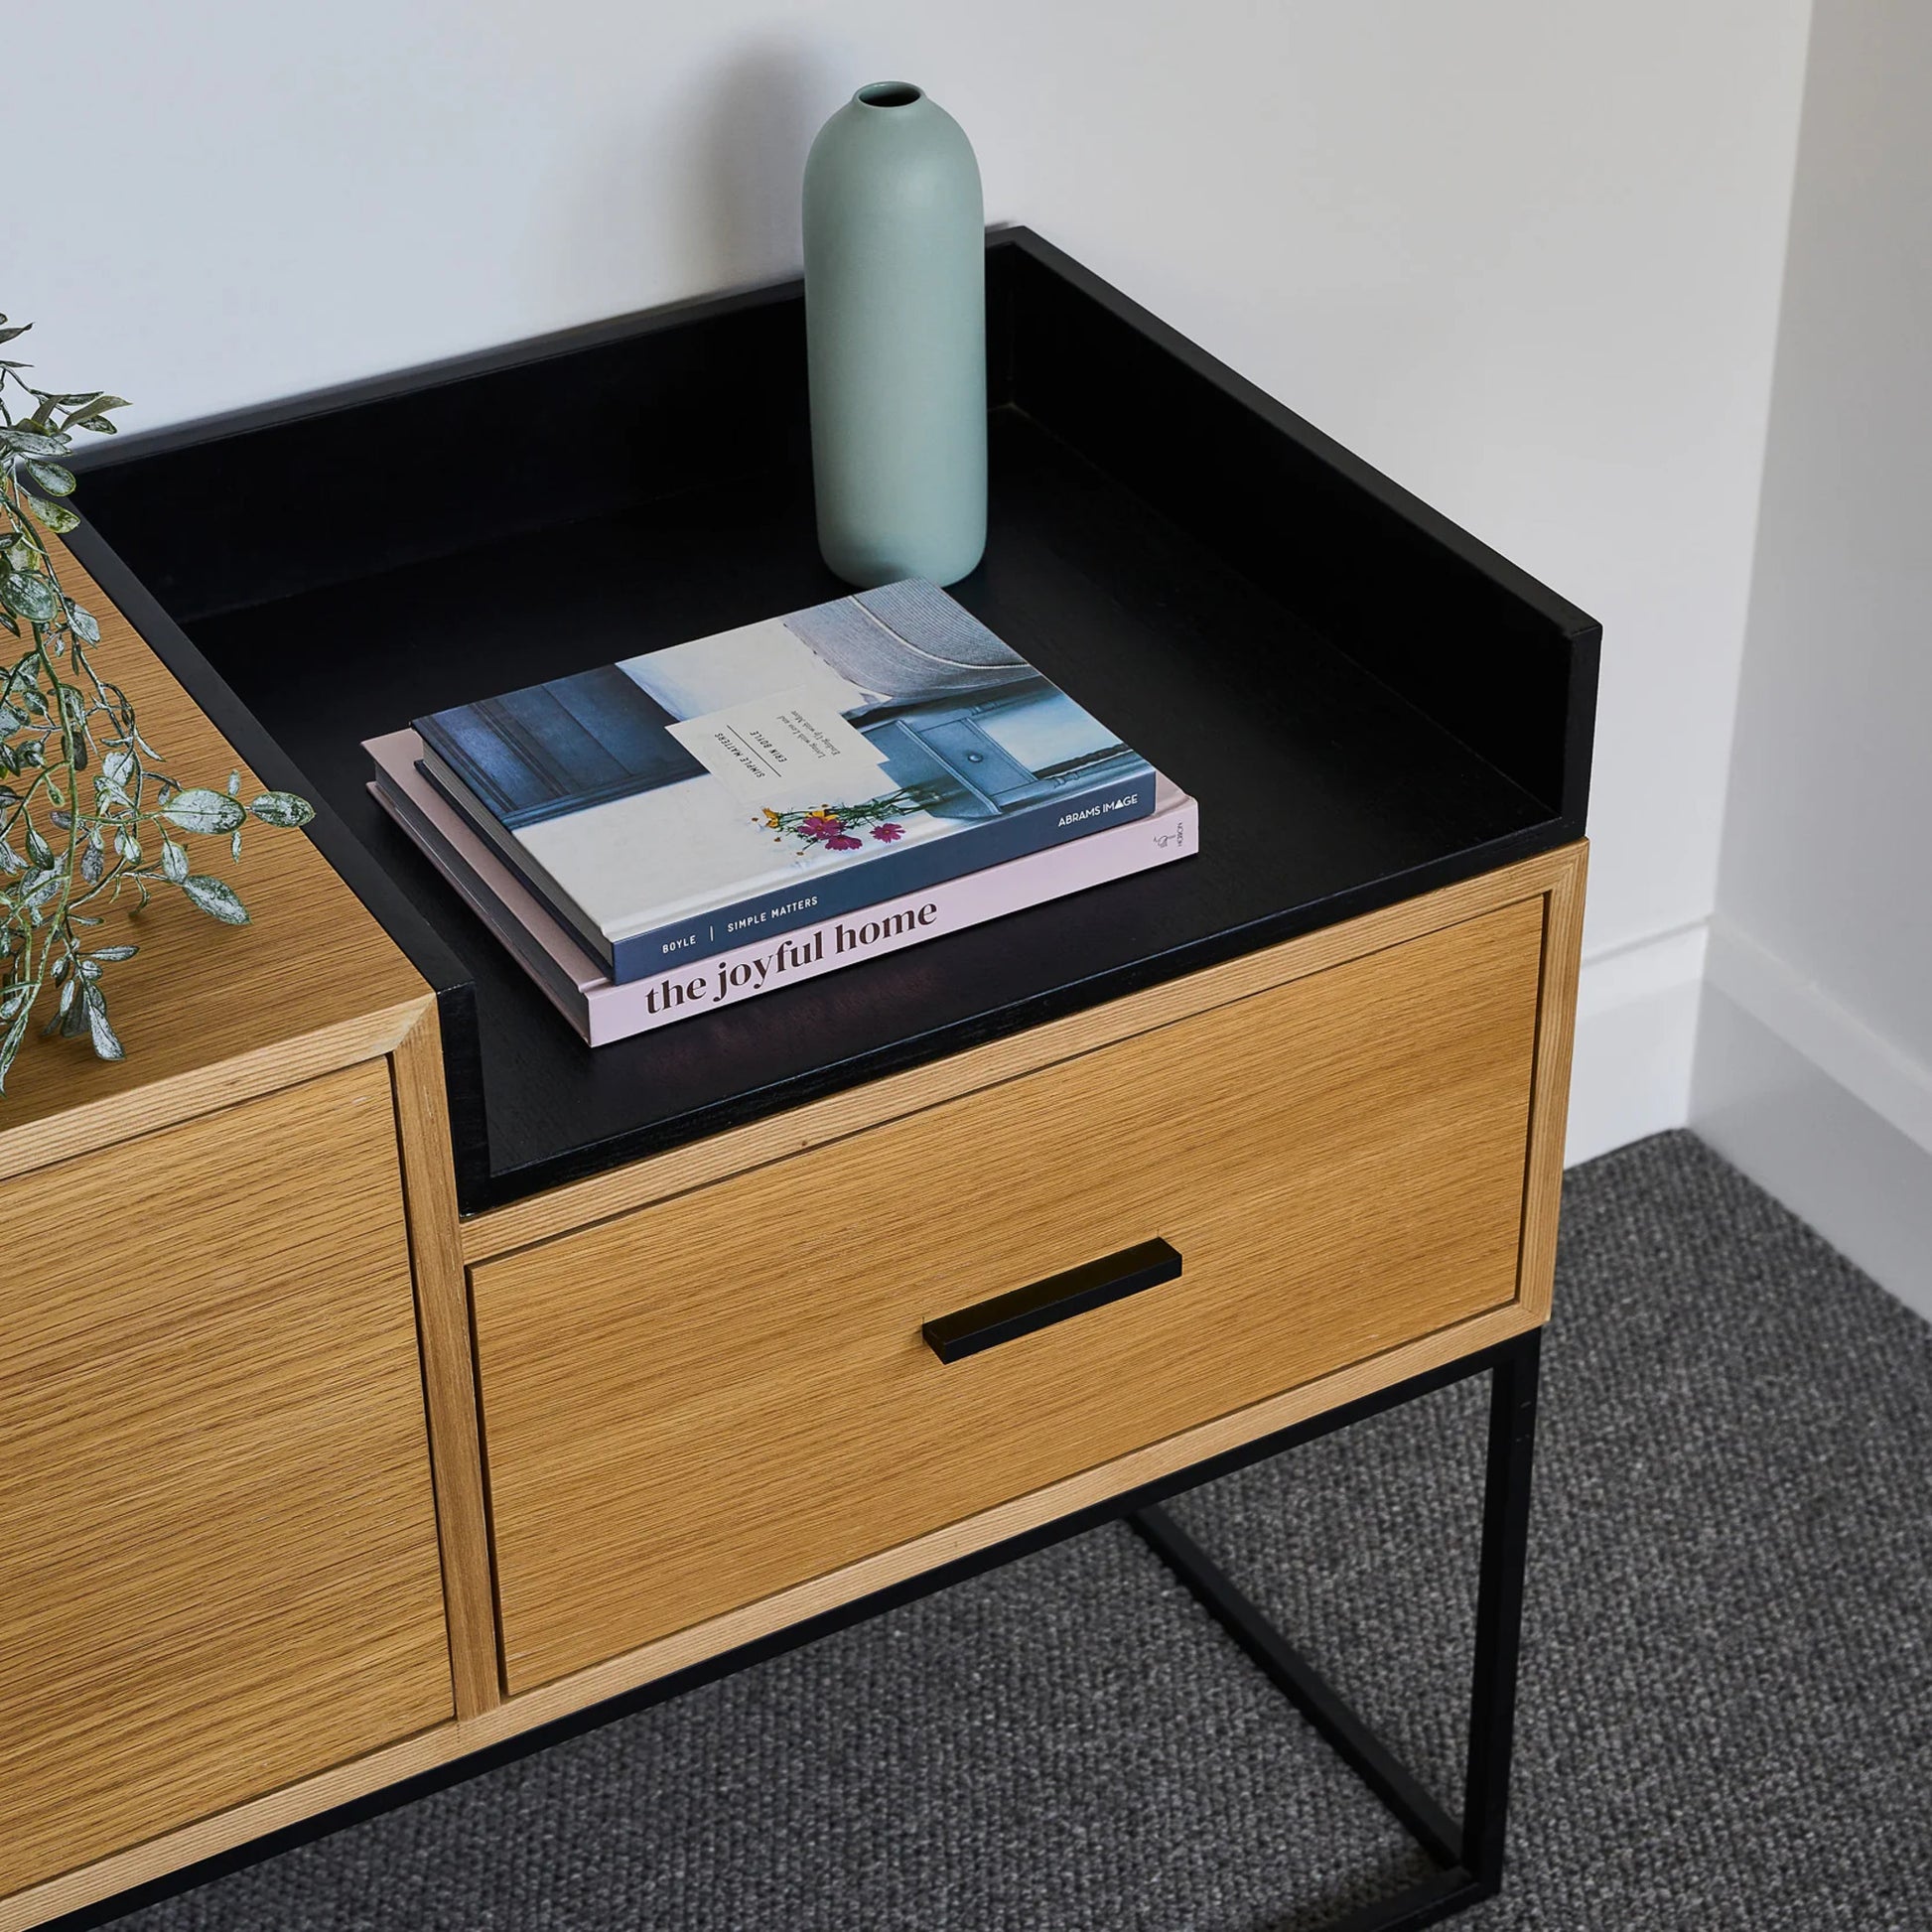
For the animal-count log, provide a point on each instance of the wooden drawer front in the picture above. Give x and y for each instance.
(710, 1399)
(217, 1543)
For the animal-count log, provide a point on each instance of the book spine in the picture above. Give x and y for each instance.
(823, 896)
(953, 905)
(509, 923)
(607, 1013)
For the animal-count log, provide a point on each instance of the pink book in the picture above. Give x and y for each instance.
(604, 1011)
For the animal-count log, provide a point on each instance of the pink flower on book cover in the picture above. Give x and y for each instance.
(840, 828)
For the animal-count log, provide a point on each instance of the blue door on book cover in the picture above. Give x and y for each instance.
(965, 724)
(556, 747)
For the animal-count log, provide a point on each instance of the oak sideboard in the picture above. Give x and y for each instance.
(456, 1384)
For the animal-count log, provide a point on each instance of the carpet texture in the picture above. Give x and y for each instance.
(1726, 1692)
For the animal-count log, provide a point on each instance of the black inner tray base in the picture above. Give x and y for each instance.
(1367, 703)
(1313, 778)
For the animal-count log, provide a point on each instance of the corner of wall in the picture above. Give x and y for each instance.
(1818, 1109)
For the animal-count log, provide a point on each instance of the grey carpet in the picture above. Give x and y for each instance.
(1726, 1694)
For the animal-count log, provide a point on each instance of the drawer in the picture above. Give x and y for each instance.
(712, 1397)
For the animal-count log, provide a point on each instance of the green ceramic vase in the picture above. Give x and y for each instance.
(896, 328)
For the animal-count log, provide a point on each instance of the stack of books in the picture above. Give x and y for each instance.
(690, 828)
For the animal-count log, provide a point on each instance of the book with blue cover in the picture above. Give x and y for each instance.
(683, 803)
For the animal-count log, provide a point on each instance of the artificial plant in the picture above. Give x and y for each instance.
(88, 819)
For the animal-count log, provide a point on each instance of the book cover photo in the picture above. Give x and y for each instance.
(604, 1011)
(694, 799)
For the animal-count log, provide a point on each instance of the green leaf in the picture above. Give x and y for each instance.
(200, 810)
(117, 768)
(19, 328)
(29, 596)
(107, 1045)
(53, 479)
(83, 625)
(38, 848)
(96, 404)
(114, 952)
(22, 556)
(28, 442)
(173, 861)
(10, 1045)
(215, 899)
(282, 808)
(56, 516)
(98, 424)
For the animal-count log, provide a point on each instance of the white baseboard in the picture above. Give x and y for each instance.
(1819, 1109)
(1636, 1033)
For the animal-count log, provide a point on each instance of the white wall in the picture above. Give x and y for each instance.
(1815, 1063)
(1523, 254)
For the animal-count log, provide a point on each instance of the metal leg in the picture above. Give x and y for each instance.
(1469, 1855)
(1499, 1608)
(1305, 1687)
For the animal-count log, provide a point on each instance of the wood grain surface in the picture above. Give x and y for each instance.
(218, 1569)
(449, 1376)
(728, 1394)
(1555, 1034)
(503, 1230)
(209, 1014)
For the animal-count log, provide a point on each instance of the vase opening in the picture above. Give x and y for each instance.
(889, 94)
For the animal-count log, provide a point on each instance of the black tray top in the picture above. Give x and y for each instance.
(1367, 702)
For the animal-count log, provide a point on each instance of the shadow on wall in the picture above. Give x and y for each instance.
(709, 197)
(749, 159)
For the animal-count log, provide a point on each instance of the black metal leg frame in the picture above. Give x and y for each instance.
(1468, 1855)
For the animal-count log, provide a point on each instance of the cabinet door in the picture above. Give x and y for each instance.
(217, 1544)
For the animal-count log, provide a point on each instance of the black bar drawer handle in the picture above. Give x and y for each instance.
(1090, 1286)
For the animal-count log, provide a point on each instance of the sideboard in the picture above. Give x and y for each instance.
(463, 1386)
